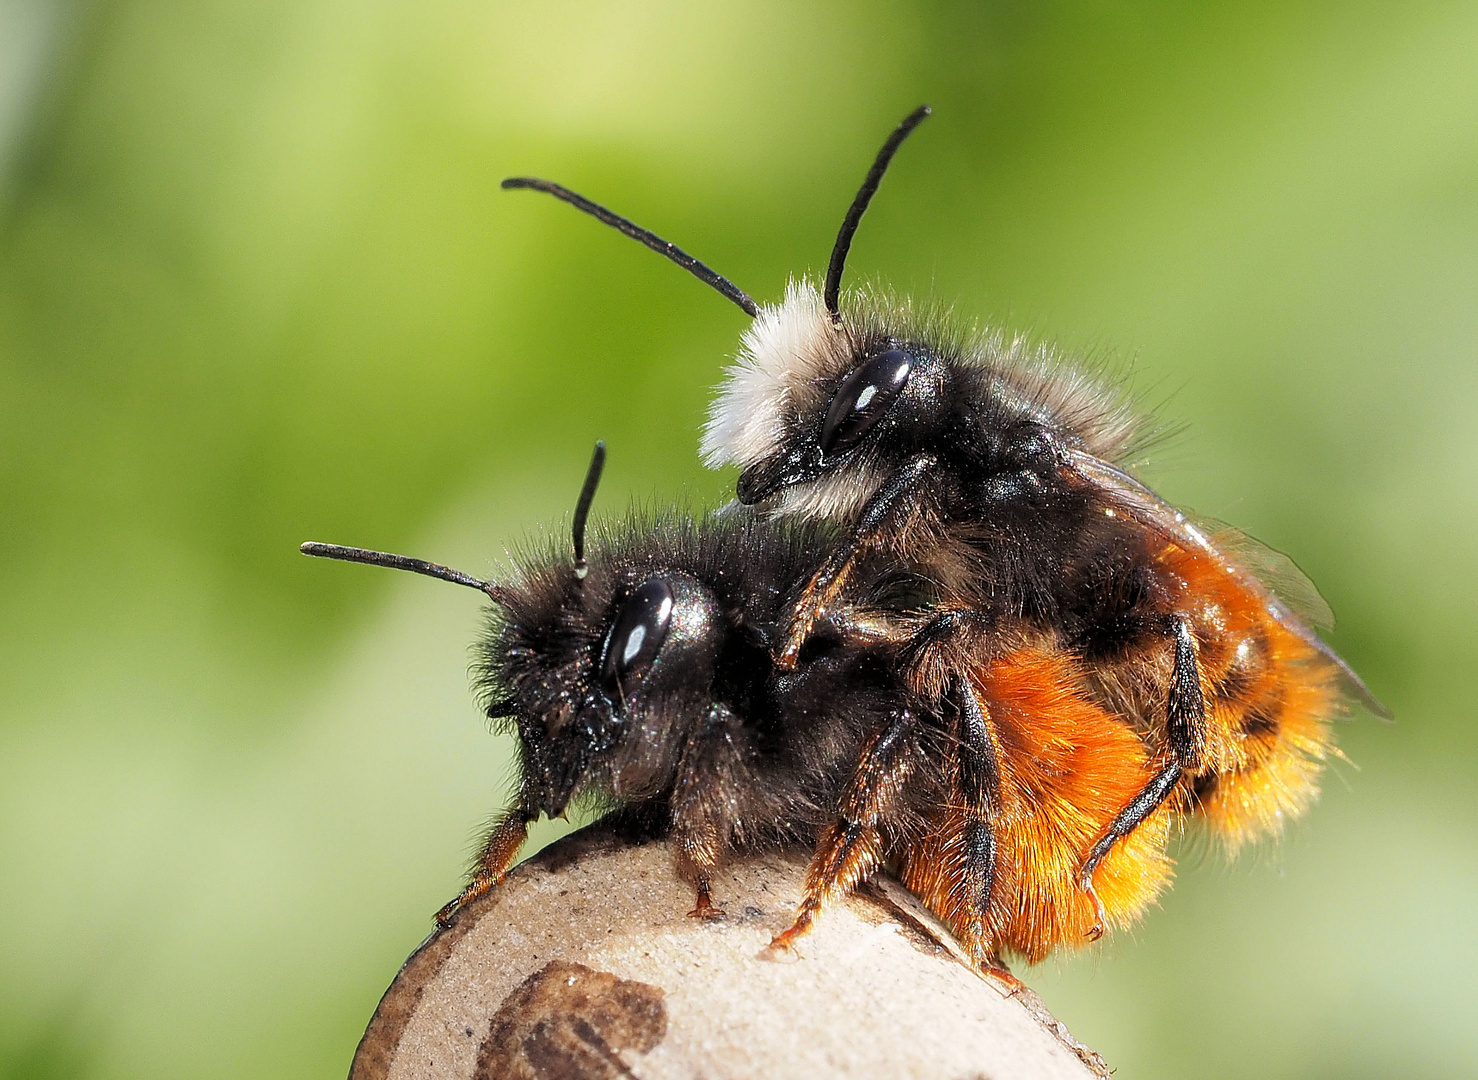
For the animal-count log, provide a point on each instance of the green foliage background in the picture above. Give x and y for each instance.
(258, 285)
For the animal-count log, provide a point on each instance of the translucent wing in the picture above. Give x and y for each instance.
(1278, 573)
(1155, 513)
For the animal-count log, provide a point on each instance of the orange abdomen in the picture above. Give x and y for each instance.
(1066, 769)
(1270, 699)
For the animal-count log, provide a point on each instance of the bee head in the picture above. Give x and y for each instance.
(601, 664)
(816, 394)
(818, 412)
(597, 665)
(602, 678)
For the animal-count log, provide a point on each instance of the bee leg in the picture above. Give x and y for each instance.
(1128, 819)
(498, 853)
(996, 972)
(851, 846)
(930, 668)
(933, 656)
(698, 856)
(891, 504)
(707, 778)
(1185, 735)
(704, 909)
(979, 780)
(1185, 707)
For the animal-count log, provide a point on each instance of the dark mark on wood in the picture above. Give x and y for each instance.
(570, 1022)
(876, 907)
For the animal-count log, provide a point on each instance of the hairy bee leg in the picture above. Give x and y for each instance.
(979, 780)
(697, 847)
(1185, 733)
(707, 778)
(928, 661)
(1185, 707)
(894, 500)
(1125, 822)
(498, 853)
(851, 846)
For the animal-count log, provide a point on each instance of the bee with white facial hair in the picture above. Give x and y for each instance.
(998, 473)
(639, 679)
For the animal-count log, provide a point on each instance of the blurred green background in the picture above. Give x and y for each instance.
(258, 285)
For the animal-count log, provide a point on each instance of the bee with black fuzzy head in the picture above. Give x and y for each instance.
(998, 471)
(643, 680)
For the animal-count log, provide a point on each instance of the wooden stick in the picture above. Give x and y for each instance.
(583, 963)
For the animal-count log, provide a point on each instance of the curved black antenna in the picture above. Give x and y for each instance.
(582, 506)
(402, 562)
(643, 236)
(833, 289)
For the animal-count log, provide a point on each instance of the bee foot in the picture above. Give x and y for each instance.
(781, 950)
(782, 946)
(1100, 917)
(448, 914)
(708, 911)
(1009, 985)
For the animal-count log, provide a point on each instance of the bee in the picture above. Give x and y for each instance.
(998, 472)
(643, 680)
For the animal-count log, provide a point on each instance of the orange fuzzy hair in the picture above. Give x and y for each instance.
(1270, 698)
(1066, 768)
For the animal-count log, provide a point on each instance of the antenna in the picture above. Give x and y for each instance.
(833, 289)
(402, 562)
(641, 236)
(582, 507)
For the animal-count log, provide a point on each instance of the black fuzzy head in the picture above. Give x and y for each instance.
(606, 679)
(649, 657)
(595, 673)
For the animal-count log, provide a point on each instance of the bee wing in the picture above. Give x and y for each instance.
(1174, 525)
(1278, 573)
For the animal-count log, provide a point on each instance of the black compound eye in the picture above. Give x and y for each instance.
(864, 399)
(635, 637)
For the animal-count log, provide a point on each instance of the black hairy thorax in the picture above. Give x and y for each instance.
(781, 735)
(1034, 544)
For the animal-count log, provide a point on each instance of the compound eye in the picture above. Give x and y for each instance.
(864, 399)
(635, 637)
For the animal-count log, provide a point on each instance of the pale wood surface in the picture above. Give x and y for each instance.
(583, 964)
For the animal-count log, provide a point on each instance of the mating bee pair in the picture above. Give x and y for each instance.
(944, 630)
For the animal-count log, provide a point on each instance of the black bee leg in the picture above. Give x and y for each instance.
(498, 853)
(1128, 819)
(708, 777)
(851, 846)
(885, 511)
(1185, 736)
(979, 779)
(1185, 709)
